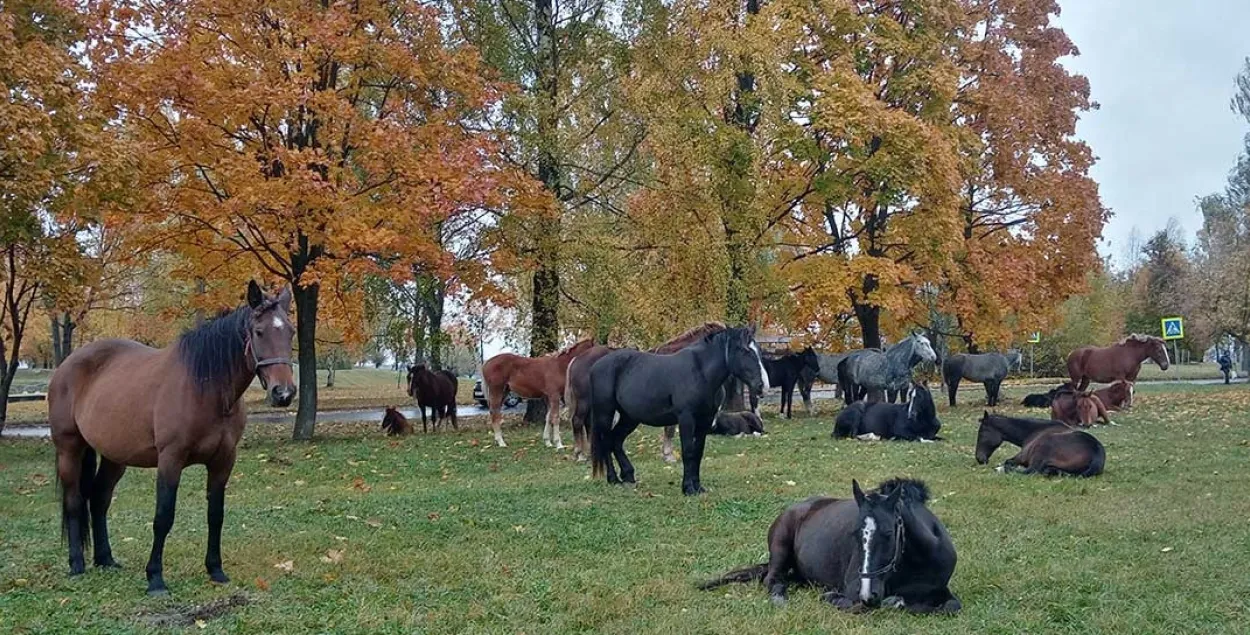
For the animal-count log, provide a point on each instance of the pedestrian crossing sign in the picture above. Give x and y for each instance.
(1173, 328)
(1036, 337)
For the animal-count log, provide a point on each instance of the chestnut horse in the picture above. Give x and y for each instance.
(1121, 361)
(395, 423)
(1115, 396)
(530, 378)
(577, 385)
(1078, 408)
(130, 405)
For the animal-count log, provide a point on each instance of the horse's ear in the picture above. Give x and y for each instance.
(859, 493)
(255, 297)
(284, 299)
(895, 497)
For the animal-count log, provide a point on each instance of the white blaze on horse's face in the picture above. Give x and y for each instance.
(277, 321)
(865, 583)
(759, 359)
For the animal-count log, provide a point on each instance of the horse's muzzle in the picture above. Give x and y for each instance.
(281, 396)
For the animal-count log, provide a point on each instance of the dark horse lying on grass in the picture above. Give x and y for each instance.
(989, 369)
(686, 388)
(436, 390)
(732, 424)
(787, 371)
(1043, 399)
(131, 405)
(915, 420)
(1046, 447)
(885, 548)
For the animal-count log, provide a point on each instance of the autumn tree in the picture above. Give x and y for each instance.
(310, 138)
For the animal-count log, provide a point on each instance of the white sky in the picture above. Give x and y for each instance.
(1163, 72)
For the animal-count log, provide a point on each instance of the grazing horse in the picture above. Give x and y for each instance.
(686, 388)
(1078, 408)
(531, 378)
(577, 387)
(914, 421)
(787, 371)
(990, 369)
(1047, 447)
(129, 405)
(867, 371)
(732, 424)
(436, 390)
(1042, 400)
(1120, 361)
(884, 548)
(1115, 396)
(395, 423)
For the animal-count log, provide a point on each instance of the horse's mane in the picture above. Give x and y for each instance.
(1138, 337)
(587, 343)
(685, 339)
(914, 491)
(213, 351)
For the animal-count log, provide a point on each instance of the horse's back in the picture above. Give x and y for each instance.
(824, 539)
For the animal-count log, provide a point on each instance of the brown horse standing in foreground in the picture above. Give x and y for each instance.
(530, 378)
(577, 386)
(1121, 361)
(131, 405)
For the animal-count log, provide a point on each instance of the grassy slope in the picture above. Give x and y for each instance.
(446, 534)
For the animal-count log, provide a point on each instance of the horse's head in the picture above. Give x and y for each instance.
(269, 340)
(1150, 347)
(742, 355)
(388, 419)
(988, 439)
(880, 539)
(920, 405)
(414, 372)
(922, 349)
(810, 360)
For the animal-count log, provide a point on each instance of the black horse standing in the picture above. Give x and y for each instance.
(787, 371)
(684, 389)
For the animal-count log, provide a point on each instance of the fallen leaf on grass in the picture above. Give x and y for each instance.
(433, 516)
(300, 482)
(262, 584)
(285, 567)
(520, 529)
(359, 483)
(333, 556)
(474, 442)
(201, 624)
(791, 483)
(351, 517)
(1166, 549)
(374, 522)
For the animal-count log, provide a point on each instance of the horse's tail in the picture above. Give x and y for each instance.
(599, 448)
(86, 481)
(570, 399)
(743, 575)
(1097, 462)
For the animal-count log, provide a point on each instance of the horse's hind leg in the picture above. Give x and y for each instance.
(218, 475)
(624, 427)
(72, 455)
(667, 449)
(101, 497)
(553, 424)
(494, 401)
(952, 389)
(168, 473)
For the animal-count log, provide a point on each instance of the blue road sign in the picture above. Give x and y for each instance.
(1173, 328)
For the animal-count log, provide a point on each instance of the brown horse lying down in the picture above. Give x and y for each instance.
(395, 423)
(1078, 409)
(1046, 447)
(732, 424)
(1116, 396)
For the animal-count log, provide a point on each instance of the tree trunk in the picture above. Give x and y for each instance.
(57, 355)
(544, 309)
(67, 336)
(306, 338)
(437, 302)
(869, 318)
(330, 376)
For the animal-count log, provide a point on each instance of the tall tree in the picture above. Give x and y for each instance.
(310, 137)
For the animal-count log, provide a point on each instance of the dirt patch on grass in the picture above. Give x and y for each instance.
(187, 615)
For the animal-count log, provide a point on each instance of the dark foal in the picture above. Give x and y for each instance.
(732, 424)
(395, 423)
(884, 548)
(1047, 447)
(788, 371)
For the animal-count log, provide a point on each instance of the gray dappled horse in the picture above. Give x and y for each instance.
(989, 369)
(863, 372)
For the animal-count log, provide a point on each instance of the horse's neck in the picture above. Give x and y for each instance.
(898, 357)
(1018, 431)
(713, 358)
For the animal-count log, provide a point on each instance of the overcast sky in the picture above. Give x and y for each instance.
(1163, 71)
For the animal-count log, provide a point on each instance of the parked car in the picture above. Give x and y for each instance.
(510, 400)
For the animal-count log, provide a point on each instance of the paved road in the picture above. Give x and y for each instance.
(375, 414)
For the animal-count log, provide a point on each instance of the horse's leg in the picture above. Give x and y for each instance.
(71, 454)
(700, 444)
(101, 497)
(494, 401)
(624, 427)
(952, 388)
(420, 405)
(666, 449)
(689, 459)
(805, 392)
(218, 475)
(553, 421)
(168, 473)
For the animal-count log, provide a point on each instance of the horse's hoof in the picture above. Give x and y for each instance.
(158, 591)
(893, 602)
(779, 600)
(559, 446)
(1000, 469)
(76, 570)
(546, 443)
(668, 458)
(107, 564)
(219, 577)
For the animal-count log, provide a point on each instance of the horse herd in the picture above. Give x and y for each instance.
(125, 404)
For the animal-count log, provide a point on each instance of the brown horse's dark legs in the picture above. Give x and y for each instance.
(101, 497)
(69, 466)
(218, 476)
(167, 477)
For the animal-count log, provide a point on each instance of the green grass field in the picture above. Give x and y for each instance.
(444, 533)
